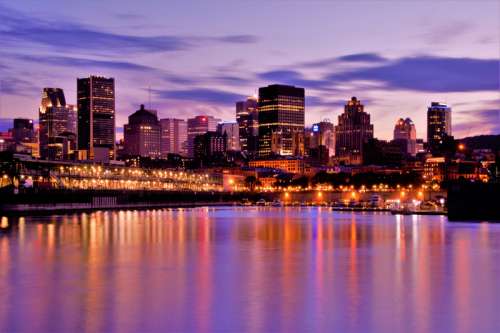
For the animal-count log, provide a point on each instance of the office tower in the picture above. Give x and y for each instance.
(281, 120)
(96, 117)
(23, 130)
(142, 134)
(406, 134)
(438, 126)
(353, 130)
(197, 126)
(323, 135)
(247, 117)
(173, 137)
(210, 147)
(57, 125)
(232, 132)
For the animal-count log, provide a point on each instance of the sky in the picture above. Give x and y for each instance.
(185, 58)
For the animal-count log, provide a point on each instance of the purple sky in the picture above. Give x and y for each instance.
(201, 57)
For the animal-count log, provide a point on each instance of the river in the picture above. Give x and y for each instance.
(248, 269)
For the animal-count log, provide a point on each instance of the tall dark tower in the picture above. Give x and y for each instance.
(353, 130)
(248, 122)
(281, 120)
(57, 125)
(438, 127)
(96, 117)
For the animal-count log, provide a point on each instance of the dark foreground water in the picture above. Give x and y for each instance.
(249, 270)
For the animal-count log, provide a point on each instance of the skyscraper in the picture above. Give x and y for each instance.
(438, 126)
(247, 117)
(232, 134)
(353, 130)
(281, 120)
(324, 135)
(57, 125)
(197, 126)
(96, 117)
(405, 133)
(173, 137)
(142, 134)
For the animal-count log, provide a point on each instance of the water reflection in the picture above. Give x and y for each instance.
(248, 270)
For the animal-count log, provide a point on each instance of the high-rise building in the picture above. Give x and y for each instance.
(173, 137)
(210, 147)
(323, 134)
(57, 125)
(281, 120)
(232, 132)
(23, 130)
(96, 117)
(197, 126)
(142, 134)
(247, 117)
(352, 132)
(438, 126)
(406, 134)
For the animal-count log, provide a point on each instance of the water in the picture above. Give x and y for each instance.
(249, 270)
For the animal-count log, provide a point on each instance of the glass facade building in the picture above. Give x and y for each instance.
(281, 120)
(96, 117)
(438, 126)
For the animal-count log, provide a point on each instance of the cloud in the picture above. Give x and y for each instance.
(16, 27)
(367, 57)
(428, 73)
(200, 95)
(478, 122)
(362, 57)
(292, 77)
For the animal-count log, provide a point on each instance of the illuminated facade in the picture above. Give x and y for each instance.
(352, 132)
(247, 118)
(173, 137)
(57, 125)
(96, 117)
(281, 121)
(405, 132)
(289, 165)
(142, 134)
(197, 126)
(438, 126)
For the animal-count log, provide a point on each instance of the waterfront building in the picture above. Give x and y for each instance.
(288, 164)
(352, 132)
(438, 127)
(232, 132)
(142, 134)
(173, 137)
(281, 121)
(57, 123)
(197, 126)
(406, 134)
(96, 117)
(247, 117)
(210, 146)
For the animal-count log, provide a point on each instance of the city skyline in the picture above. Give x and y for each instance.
(196, 66)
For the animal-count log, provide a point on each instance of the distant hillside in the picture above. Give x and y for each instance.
(482, 142)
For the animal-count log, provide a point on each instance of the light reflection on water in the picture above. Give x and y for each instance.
(248, 270)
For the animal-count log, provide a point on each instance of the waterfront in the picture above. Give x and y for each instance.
(248, 269)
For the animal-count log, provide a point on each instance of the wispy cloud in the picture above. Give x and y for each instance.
(17, 27)
(200, 95)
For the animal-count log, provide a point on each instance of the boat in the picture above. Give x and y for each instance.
(245, 202)
(276, 203)
(261, 202)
